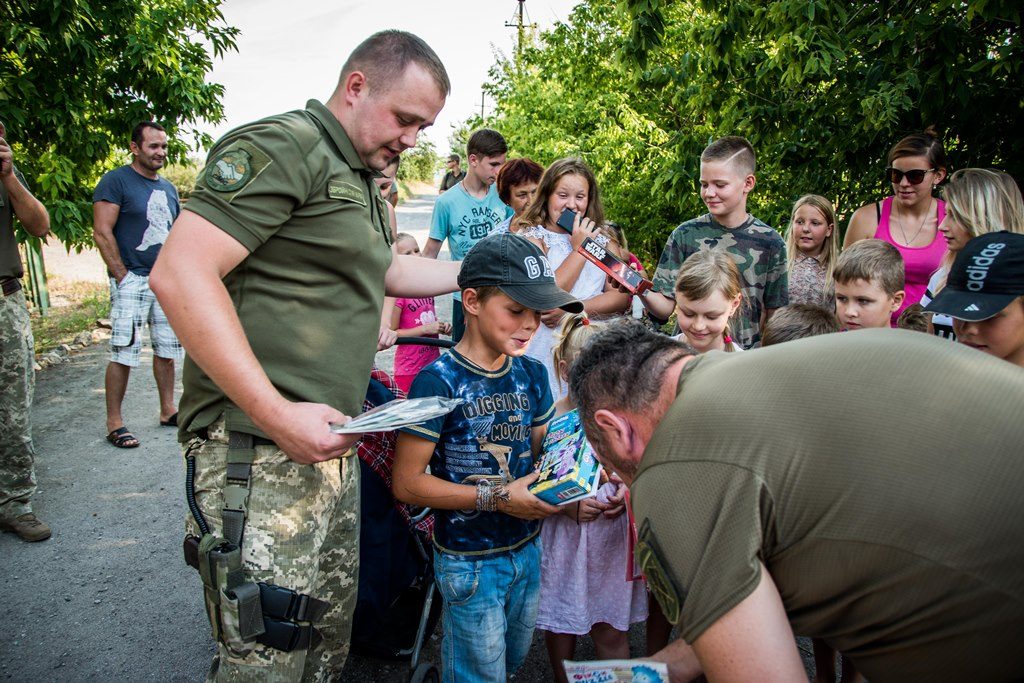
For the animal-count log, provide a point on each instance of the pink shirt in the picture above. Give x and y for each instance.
(919, 262)
(409, 360)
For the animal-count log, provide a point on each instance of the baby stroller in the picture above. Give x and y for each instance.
(396, 609)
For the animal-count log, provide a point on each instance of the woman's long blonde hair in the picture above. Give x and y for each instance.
(982, 200)
(829, 248)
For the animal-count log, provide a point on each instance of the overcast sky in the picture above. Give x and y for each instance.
(291, 51)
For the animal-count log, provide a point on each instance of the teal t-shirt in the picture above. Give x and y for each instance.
(464, 220)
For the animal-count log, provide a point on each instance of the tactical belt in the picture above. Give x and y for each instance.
(243, 612)
(10, 285)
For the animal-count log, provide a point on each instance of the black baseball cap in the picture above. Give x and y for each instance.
(517, 267)
(986, 276)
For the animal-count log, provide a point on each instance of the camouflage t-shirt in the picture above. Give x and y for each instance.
(760, 254)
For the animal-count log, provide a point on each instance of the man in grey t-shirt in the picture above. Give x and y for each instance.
(133, 209)
(785, 490)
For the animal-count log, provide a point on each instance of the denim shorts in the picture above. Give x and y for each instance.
(490, 608)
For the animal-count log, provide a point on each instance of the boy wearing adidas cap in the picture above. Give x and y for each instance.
(984, 294)
(481, 457)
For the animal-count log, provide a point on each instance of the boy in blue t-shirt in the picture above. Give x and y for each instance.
(481, 457)
(469, 211)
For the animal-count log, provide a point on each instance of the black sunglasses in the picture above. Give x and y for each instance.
(914, 176)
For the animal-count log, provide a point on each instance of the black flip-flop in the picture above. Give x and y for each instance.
(172, 421)
(122, 438)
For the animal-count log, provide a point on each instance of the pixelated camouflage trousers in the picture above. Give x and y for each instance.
(301, 532)
(17, 381)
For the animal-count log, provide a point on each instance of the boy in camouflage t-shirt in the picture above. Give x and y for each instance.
(726, 178)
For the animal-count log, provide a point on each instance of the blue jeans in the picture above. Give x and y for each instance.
(490, 608)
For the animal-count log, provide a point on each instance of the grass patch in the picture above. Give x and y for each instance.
(75, 308)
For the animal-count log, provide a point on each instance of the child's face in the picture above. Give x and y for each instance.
(405, 247)
(704, 321)
(810, 228)
(724, 188)
(571, 192)
(956, 235)
(486, 168)
(861, 304)
(520, 196)
(504, 325)
(1002, 335)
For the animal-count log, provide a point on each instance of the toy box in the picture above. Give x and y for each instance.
(569, 471)
(618, 269)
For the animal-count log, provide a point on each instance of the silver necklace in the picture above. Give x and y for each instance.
(903, 230)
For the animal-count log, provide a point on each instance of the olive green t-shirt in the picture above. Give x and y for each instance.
(292, 190)
(10, 259)
(877, 474)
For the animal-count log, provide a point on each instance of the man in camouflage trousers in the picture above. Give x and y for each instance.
(17, 378)
(273, 278)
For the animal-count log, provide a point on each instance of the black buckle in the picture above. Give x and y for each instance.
(284, 603)
(288, 636)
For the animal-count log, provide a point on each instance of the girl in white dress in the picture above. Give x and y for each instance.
(569, 184)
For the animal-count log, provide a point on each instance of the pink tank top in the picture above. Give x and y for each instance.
(919, 262)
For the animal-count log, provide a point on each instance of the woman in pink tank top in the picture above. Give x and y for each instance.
(909, 219)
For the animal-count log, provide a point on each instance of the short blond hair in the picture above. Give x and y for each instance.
(872, 261)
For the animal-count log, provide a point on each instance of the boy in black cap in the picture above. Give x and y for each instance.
(984, 294)
(481, 457)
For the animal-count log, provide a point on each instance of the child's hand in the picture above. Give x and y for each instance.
(582, 228)
(590, 509)
(523, 504)
(616, 502)
(427, 329)
(386, 338)
(552, 318)
(446, 328)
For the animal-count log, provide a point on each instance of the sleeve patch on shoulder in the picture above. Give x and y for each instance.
(339, 189)
(235, 167)
(649, 558)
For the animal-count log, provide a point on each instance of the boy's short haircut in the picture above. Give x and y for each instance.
(486, 142)
(913, 318)
(484, 292)
(454, 157)
(797, 321)
(732, 148)
(872, 261)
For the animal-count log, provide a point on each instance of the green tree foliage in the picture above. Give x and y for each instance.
(75, 77)
(420, 163)
(822, 88)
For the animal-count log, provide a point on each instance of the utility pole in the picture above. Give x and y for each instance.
(481, 105)
(520, 25)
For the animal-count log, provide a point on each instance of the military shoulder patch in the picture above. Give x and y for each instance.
(234, 167)
(651, 562)
(339, 189)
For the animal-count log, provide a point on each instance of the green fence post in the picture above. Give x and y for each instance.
(37, 275)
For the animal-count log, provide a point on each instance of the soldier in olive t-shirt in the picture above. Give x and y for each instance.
(900, 543)
(273, 278)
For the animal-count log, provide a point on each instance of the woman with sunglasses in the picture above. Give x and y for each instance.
(909, 219)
